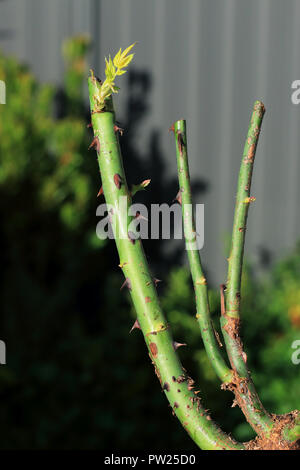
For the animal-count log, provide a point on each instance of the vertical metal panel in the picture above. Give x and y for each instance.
(209, 61)
(291, 220)
(37, 28)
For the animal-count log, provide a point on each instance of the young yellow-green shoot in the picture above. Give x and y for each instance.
(114, 67)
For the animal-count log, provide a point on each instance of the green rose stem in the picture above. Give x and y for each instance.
(199, 281)
(177, 386)
(246, 395)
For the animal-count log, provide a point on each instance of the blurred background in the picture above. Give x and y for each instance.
(74, 376)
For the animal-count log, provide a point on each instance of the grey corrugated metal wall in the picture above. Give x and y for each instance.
(209, 60)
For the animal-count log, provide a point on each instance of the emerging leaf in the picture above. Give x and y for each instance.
(121, 59)
(113, 68)
(125, 52)
(117, 58)
(110, 71)
(125, 61)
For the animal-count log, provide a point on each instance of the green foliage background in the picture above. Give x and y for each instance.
(74, 377)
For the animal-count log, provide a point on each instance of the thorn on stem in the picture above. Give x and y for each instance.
(118, 129)
(191, 383)
(234, 403)
(118, 180)
(126, 283)
(172, 129)
(156, 281)
(95, 144)
(100, 191)
(136, 325)
(178, 345)
(178, 197)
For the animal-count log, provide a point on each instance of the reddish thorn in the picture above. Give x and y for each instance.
(171, 129)
(178, 197)
(100, 191)
(118, 129)
(95, 144)
(89, 125)
(118, 180)
(126, 283)
(148, 300)
(156, 281)
(135, 325)
(177, 345)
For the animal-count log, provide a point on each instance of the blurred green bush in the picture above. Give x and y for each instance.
(74, 377)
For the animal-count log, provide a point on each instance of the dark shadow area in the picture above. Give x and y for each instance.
(6, 34)
(265, 257)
